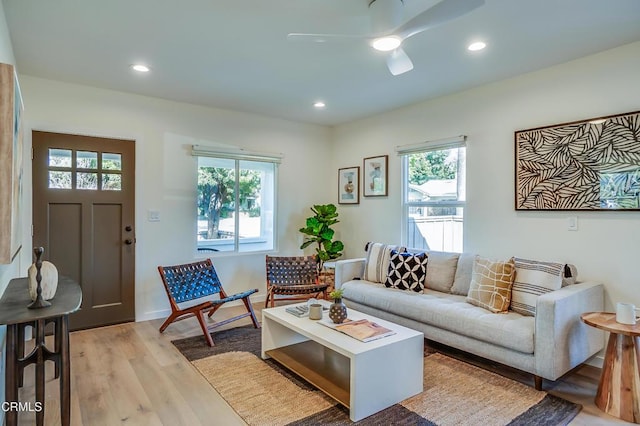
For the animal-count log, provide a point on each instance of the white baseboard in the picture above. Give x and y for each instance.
(164, 313)
(596, 361)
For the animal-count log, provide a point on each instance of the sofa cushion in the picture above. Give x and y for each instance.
(448, 312)
(491, 284)
(377, 261)
(533, 278)
(406, 271)
(462, 280)
(441, 270)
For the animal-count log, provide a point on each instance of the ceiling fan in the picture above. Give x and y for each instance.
(386, 14)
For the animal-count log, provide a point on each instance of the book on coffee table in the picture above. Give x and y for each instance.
(363, 330)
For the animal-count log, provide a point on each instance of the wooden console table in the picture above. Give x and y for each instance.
(619, 387)
(15, 314)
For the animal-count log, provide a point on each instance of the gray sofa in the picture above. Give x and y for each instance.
(546, 345)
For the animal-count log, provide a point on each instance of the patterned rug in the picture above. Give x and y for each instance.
(455, 392)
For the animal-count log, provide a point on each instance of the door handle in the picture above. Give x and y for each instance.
(128, 241)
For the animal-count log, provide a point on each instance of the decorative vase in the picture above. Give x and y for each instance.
(338, 311)
(48, 278)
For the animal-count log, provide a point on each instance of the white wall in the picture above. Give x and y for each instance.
(166, 172)
(606, 247)
(19, 265)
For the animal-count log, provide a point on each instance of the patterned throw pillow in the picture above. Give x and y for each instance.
(407, 271)
(377, 263)
(491, 283)
(533, 279)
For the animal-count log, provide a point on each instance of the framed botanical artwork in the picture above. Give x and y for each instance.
(592, 164)
(375, 177)
(349, 185)
(10, 164)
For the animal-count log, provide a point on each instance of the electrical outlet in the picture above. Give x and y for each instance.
(572, 223)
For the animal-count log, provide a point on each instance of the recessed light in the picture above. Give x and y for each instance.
(319, 104)
(140, 68)
(385, 44)
(478, 45)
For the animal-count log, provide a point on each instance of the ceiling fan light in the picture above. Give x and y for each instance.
(385, 44)
(478, 45)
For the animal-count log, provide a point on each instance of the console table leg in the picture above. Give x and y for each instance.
(40, 326)
(11, 378)
(65, 371)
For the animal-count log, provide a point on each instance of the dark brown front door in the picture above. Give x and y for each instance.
(83, 215)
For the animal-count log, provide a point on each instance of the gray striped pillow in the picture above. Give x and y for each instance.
(533, 278)
(377, 264)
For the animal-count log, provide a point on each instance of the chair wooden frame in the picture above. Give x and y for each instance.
(294, 276)
(192, 281)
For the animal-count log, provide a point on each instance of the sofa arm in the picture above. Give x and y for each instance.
(562, 340)
(348, 269)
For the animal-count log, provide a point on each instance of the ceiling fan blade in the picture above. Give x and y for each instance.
(445, 11)
(399, 62)
(323, 38)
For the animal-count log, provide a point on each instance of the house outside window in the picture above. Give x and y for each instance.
(434, 194)
(236, 199)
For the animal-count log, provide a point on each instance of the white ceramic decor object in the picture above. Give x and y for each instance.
(49, 282)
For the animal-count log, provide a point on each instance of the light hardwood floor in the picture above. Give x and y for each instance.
(131, 374)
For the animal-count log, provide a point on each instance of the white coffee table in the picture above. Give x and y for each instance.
(364, 377)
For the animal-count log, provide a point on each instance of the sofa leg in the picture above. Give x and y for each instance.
(538, 382)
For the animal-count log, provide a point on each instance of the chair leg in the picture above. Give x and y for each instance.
(204, 327)
(269, 295)
(168, 321)
(247, 303)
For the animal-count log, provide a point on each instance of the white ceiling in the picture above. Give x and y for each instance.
(234, 54)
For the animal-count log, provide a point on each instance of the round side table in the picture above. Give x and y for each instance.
(619, 387)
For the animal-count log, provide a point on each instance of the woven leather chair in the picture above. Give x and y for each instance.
(293, 278)
(197, 280)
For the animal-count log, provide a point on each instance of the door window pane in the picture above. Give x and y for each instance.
(86, 160)
(60, 180)
(87, 180)
(59, 158)
(111, 161)
(111, 182)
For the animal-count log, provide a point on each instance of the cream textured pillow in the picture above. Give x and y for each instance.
(377, 263)
(491, 283)
(462, 280)
(441, 270)
(533, 279)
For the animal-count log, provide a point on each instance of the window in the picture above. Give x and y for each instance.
(85, 174)
(235, 201)
(434, 194)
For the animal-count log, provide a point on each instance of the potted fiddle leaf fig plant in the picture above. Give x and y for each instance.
(318, 231)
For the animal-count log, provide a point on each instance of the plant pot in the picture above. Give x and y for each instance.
(338, 311)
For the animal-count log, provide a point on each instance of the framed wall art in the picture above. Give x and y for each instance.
(591, 164)
(349, 185)
(375, 177)
(10, 164)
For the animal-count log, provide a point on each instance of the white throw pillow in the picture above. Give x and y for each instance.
(377, 264)
(533, 278)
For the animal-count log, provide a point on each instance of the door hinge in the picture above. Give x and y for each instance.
(31, 153)
(32, 231)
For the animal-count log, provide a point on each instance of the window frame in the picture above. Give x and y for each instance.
(404, 152)
(238, 155)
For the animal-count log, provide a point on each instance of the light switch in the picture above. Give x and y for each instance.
(153, 215)
(572, 223)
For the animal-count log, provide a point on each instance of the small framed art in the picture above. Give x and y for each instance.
(375, 176)
(349, 185)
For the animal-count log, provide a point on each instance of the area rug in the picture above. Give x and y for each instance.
(455, 392)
